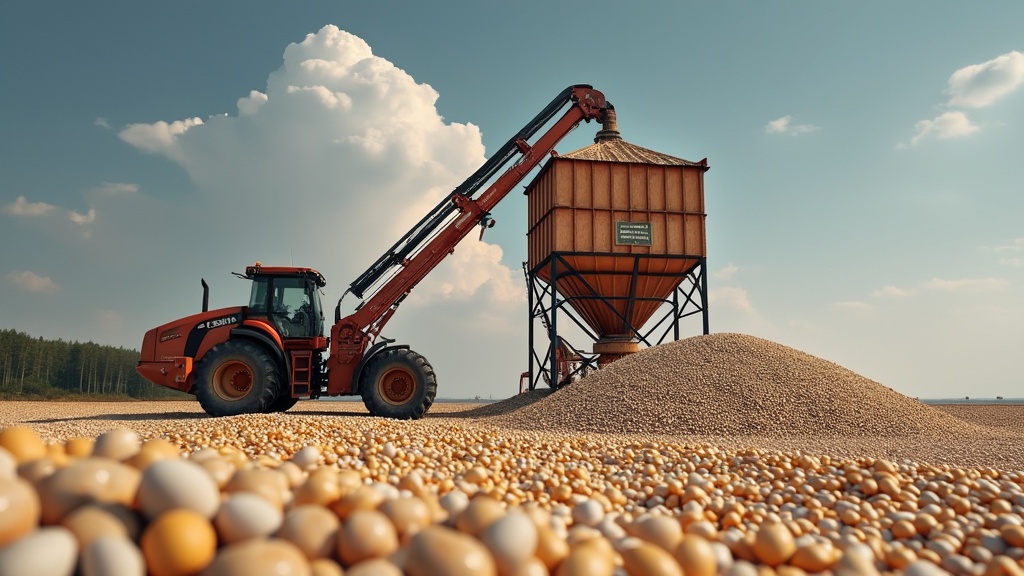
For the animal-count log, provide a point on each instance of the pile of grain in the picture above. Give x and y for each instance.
(1009, 416)
(505, 406)
(330, 495)
(738, 386)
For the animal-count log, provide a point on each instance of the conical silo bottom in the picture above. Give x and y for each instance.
(617, 295)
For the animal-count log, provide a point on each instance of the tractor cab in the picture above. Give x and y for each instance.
(289, 298)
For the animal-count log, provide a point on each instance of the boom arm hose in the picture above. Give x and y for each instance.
(419, 233)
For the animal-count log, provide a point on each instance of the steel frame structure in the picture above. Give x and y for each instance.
(545, 302)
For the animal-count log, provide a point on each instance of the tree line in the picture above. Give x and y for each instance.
(35, 367)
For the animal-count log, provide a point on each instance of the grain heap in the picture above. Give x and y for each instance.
(733, 387)
(441, 500)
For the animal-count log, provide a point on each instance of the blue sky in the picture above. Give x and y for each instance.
(863, 200)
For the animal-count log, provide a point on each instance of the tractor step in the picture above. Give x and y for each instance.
(302, 372)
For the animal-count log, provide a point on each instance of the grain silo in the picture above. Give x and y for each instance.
(616, 245)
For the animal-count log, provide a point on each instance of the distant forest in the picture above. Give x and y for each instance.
(37, 368)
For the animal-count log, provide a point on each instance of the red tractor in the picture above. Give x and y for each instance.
(267, 355)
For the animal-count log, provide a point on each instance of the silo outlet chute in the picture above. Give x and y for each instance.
(616, 244)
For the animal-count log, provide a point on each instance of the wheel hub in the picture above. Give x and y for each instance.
(397, 385)
(241, 380)
(233, 380)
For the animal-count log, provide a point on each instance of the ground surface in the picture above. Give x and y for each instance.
(993, 437)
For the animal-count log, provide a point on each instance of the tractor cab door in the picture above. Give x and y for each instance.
(292, 304)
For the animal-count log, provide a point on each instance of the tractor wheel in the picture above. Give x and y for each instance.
(236, 377)
(398, 383)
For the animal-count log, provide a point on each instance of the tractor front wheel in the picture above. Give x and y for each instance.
(398, 383)
(236, 377)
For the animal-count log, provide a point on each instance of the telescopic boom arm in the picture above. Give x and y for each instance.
(398, 253)
(587, 103)
(435, 236)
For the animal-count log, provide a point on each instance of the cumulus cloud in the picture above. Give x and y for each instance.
(250, 104)
(160, 137)
(343, 150)
(967, 285)
(24, 208)
(949, 125)
(476, 265)
(785, 125)
(735, 298)
(974, 86)
(32, 282)
(82, 219)
(981, 85)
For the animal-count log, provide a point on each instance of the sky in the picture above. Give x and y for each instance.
(863, 200)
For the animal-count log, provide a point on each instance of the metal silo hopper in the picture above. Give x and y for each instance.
(616, 234)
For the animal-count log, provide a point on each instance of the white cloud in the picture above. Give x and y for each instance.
(250, 104)
(891, 292)
(101, 122)
(735, 298)
(853, 305)
(974, 86)
(115, 189)
(22, 207)
(1013, 262)
(87, 218)
(160, 137)
(32, 282)
(325, 97)
(967, 285)
(1016, 246)
(949, 125)
(476, 266)
(981, 85)
(726, 273)
(784, 125)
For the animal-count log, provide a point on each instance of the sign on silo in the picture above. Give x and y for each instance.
(633, 233)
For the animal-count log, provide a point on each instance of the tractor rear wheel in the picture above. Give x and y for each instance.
(236, 377)
(398, 383)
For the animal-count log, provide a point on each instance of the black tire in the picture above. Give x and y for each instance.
(398, 383)
(236, 377)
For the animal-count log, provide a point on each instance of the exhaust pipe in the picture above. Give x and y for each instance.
(206, 295)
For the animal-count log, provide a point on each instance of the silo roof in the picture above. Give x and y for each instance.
(609, 146)
(618, 150)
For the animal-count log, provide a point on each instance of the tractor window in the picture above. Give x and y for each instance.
(258, 297)
(291, 310)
